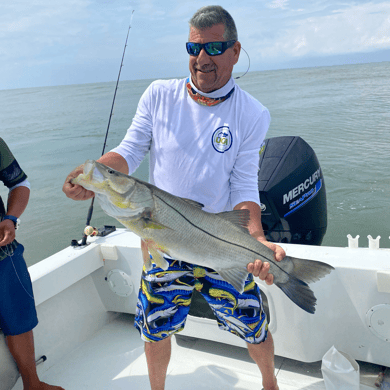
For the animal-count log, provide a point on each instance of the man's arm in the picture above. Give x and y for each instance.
(76, 192)
(17, 203)
(258, 268)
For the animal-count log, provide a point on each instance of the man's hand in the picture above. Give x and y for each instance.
(7, 232)
(74, 191)
(261, 269)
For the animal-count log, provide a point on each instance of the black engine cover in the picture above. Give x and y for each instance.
(292, 192)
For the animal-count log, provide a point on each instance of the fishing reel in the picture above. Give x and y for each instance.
(93, 232)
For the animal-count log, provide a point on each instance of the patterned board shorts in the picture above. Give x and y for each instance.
(165, 296)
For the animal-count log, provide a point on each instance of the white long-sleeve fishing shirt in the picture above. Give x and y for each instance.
(208, 154)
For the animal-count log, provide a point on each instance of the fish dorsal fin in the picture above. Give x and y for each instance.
(239, 218)
(193, 203)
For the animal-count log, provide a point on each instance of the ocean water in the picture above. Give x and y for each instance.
(343, 112)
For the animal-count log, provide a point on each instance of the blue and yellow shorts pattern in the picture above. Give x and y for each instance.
(165, 297)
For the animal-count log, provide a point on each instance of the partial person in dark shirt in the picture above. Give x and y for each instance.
(18, 316)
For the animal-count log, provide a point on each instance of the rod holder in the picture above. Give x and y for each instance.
(353, 242)
(373, 243)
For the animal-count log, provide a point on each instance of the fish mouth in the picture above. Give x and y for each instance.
(88, 166)
(92, 171)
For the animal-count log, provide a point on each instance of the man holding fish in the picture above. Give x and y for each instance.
(204, 135)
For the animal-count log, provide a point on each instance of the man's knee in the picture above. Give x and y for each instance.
(164, 344)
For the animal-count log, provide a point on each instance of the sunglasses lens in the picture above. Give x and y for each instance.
(211, 48)
(193, 49)
(214, 48)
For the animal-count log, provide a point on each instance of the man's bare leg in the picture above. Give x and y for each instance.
(263, 355)
(158, 355)
(22, 350)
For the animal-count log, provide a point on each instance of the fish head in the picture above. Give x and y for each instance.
(119, 195)
(101, 179)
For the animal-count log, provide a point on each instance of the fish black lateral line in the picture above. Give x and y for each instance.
(181, 229)
(219, 238)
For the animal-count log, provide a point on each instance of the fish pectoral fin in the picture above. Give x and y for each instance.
(235, 276)
(150, 224)
(240, 218)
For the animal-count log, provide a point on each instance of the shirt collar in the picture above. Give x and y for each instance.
(219, 92)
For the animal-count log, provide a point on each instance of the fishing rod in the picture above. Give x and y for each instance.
(88, 229)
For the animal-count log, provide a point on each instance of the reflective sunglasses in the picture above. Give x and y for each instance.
(211, 48)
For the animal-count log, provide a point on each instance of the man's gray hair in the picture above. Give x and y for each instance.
(209, 16)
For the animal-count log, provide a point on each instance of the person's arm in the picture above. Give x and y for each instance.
(77, 192)
(17, 203)
(258, 268)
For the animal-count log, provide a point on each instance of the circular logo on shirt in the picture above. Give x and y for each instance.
(222, 139)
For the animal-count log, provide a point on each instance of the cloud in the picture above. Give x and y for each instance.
(357, 28)
(46, 42)
(282, 4)
(65, 31)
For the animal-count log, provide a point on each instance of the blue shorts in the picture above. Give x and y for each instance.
(165, 297)
(17, 306)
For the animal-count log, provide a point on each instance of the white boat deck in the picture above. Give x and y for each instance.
(113, 359)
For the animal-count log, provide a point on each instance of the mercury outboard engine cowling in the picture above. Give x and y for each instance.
(292, 192)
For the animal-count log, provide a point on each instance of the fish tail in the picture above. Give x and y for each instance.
(309, 270)
(300, 293)
(303, 272)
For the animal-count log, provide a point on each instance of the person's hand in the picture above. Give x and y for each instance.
(75, 191)
(7, 232)
(261, 269)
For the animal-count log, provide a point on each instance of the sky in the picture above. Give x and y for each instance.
(61, 42)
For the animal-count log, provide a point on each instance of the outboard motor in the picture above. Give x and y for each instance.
(292, 192)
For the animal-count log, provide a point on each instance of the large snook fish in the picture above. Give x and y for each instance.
(181, 229)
